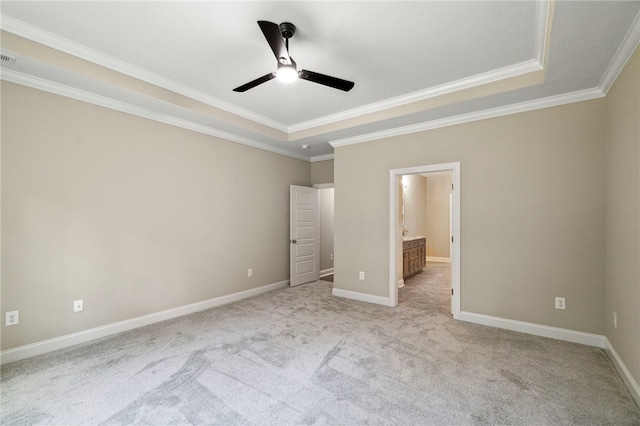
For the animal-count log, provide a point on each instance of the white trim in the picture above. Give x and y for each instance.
(317, 158)
(401, 283)
(438, 259)
(362, 297)
(544, 16)
(326, 272)
(622, 56)
(564, 334)
(536, 329)
(61, 342)
(624, 372)
(78, 50)
(56, 42)
(324, 185)
(550, 101)
(91, 98)
(432, 92)
(394, 238)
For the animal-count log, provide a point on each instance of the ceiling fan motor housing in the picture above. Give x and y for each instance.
(287, 29)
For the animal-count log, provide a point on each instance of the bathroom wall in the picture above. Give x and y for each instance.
(438, 215)
(414, 194)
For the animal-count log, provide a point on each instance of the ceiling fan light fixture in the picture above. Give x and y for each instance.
(287, 73)
(278, 39)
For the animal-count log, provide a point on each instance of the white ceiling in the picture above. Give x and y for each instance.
(416, 65)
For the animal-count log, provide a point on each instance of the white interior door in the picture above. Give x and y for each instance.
(304, 244)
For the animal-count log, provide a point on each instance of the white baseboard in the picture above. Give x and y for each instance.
(536, 329)
(401, 283)
(624, 372)
(438, 259)
(362, 297)
(61, 342)
(326, 272)
(561, 334)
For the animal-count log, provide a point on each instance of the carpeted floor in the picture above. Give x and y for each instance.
(302, 356)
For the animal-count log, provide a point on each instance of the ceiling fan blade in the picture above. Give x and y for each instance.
(327, 80)
(273, 35)
(254, 83)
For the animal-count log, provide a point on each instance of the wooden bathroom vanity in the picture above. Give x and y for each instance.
(414, 255)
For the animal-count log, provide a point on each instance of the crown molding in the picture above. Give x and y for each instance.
(56, 42)
(318, 158)
(551, 101)
(444, 89)
(543, 21)
(84, 96)
(622, 56)
(544, 17)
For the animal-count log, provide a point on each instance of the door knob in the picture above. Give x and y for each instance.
(293, 241)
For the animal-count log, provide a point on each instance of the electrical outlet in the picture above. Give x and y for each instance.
(12, 318)
(250, 272)
(78, 305)
(331, 256)
(615, 320)
(361, 275)
(560, 303)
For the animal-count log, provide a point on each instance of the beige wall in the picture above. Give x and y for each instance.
(532, 212)
(130, 215)
(414, 195)
(135, 216)
(322, 172)
(622, 290)
(438, 215)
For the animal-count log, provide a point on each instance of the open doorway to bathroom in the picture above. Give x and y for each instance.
(426, 245)
(425, 233)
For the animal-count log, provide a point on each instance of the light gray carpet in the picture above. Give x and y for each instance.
(302, 356)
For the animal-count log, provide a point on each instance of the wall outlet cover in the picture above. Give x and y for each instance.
(12, 318)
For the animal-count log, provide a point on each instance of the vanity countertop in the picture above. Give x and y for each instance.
(413, 238)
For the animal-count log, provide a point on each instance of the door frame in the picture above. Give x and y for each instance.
(395, 234)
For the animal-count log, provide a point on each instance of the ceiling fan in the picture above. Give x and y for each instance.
(278, 38)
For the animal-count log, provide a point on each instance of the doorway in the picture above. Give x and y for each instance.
(326, 203)
(396, 228)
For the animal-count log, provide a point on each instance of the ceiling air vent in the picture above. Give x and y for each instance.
(8, 59)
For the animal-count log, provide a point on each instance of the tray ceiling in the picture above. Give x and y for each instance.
(415, 65)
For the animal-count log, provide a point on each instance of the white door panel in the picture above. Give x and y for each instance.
(306, 198)
(303, 250)
(304, 267)
(305, 215)
(304, 240)
(305, 233)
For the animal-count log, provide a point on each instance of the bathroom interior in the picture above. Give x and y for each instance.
(425, 204)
